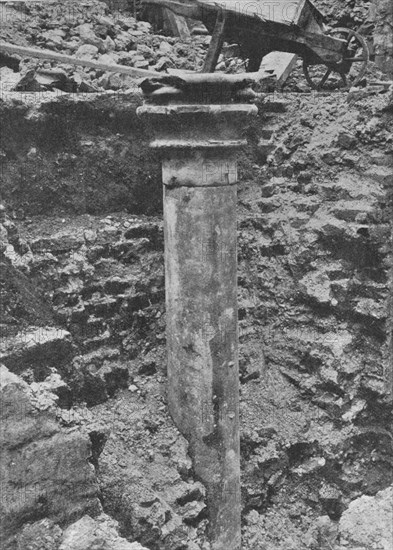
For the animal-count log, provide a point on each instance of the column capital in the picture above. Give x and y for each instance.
(198, 122)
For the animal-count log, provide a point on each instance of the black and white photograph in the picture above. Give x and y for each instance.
(196, 274)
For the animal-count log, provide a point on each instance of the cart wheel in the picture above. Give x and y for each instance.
(351, 69)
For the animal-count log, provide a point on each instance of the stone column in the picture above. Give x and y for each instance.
(198, 142)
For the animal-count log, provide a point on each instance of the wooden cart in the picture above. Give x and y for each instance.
(294, 26)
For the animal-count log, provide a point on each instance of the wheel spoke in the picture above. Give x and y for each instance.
(344, 79)
(324, 78)
(350, 36)
(355, 59)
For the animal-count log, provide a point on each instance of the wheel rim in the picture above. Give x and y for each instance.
(350, 70)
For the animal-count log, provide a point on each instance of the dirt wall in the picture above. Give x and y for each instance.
(314, 221)
(76, 153)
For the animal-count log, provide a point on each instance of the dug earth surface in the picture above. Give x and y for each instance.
(314, 231)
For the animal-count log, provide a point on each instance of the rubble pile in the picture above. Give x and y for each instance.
(94, 32)
(342, 13)
(90, 31)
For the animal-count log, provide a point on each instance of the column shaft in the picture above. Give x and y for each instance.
(201, 309)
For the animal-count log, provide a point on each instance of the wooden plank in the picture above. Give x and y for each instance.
(177, 24)
(310, 39)
(215, 45)
(301, 14)
(61, 58)
(307, 16)
(280, 64)
(189, 77)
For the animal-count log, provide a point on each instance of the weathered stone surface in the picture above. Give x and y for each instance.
(108, 58)
(383, 38)
(124, 41)
(322, 534)
(9, 78)
(22, 302)
(86, 51)
(151, 518)
(96, 534)
(88, 36)
(54, 37)
(37, 348)
(41, 535)
(45, 471)
(317, 286)
(367, 523)
(20, 422)
(97, 376)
